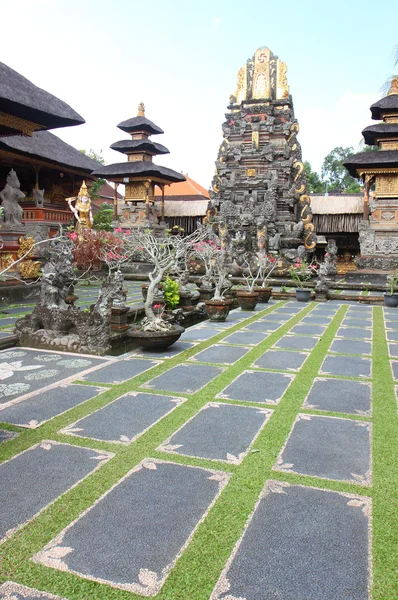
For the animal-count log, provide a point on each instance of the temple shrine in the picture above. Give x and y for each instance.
(259, 188)
(378, 232)
(139, 174)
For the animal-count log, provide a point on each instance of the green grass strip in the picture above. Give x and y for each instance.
(385, 469)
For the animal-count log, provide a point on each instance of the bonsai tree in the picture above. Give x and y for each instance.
(266, 265)
(207, 251)
(165, 254)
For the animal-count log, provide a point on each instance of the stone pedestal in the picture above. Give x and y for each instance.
(118, 318)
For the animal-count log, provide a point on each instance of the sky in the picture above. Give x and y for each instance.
(181, 59)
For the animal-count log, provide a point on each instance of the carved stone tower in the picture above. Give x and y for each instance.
(378, 233)
(260, 176)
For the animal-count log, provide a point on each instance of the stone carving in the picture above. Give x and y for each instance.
(38, 197)
(367, 239)
(55, 322)
(266, 177)
(387, 245)
(261, 235)
(10, 196)
(387, 215)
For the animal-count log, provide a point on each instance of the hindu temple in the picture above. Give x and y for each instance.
(378, 234)
(259, 187)
(139, 174)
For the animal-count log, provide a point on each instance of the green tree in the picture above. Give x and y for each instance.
(336, 175)
(314, 183)
(102, 221)
(98, 183)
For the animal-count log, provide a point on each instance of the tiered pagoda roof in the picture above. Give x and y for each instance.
(140, 151)
(25, 108)
(384, 135)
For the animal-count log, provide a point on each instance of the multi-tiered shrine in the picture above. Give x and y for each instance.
(259, 188)
(139, 174)
(378, 234)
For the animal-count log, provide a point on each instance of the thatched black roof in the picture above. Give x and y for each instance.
(21, 98)
(138, 168)
(140, 124)
(388, 104)
(46, 146)
(381, 158)
(380, 130)
(129, 146)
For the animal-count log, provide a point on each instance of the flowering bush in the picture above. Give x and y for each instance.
(93, 248)
(302, 271)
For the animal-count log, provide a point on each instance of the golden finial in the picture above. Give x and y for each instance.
(141, 110)
(83, 190)
(393, 87)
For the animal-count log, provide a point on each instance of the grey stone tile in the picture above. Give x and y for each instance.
(245, 337)
(14, 591)
(218, 432)
(121, 370)
(25, 371)
(393, 349)
(297, 342)
(35, 478)
(6, 435)
(316, 320)
(328, 447)
(357, 322)
(307, 329)
(154, 510)
(221, 354)
(124, 419)
(274, 316)
(262, 325)
(199, 333)
(17, 310)
(185, 378)
(351, 347)
(346, 366)
(366, 311)
(392, 336)
(392, 325)
(394, 366)
(301, 543)
(6, 334)
(38, 409)
(339, 395)
(7, 321)
(257, 386)
(357, 333)
(169, 352)
(281, 360)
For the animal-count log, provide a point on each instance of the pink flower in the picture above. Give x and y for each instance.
(73, 236)
(127, 232)
(118, 230)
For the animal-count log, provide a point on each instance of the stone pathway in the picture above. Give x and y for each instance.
(249, 440)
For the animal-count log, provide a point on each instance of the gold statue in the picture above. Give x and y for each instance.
(82, 209)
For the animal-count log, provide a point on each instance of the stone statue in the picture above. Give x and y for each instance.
(10, 195)
(58, 275)
(82, 209)
(119, 293)
(274, 240)
(261, 235)
(38, 197)
(223, 234)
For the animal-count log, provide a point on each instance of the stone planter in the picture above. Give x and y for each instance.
(264, 294)
(185, 299)
(156, 340)
(218, 310)
(247, 300)
(303, 295)
(206, 294)
(391, 300)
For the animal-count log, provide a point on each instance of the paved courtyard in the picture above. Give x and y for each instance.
(253, 460)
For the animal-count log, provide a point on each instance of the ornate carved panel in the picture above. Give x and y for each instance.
(135, 191)
(386, 186)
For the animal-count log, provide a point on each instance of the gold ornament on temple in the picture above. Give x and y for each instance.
(82, 209)
(30, 269)
(25, 245)
(141, 110)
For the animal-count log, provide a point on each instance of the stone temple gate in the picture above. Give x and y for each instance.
(259, 190)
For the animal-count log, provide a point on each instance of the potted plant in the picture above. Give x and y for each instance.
(391, 299)
(301, 271)
(165, 254)
(206, 252)
(247, 297)
(218, 307)
(266, 265)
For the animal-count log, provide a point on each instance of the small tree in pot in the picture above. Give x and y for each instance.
(164, 254)
(391, 298)
(302, 271)
(266, 265)
(218, 307)
(247, 297)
